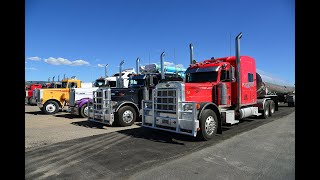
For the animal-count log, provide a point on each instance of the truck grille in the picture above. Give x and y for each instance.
(36, 95)
(101, 108)
(169, 111)
(165, 100)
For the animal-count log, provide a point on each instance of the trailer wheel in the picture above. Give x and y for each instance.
(126, 116)
(271, 108)
(208, 125)
(84, 111)
(265, 113)
(50, 107)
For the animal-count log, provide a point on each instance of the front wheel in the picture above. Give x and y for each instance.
(126, 116)
(208, 125)
(84, 111)
(50, 107)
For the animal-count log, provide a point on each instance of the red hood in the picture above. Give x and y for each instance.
(199, 92)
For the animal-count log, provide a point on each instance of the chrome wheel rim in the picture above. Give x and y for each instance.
(85, 111)
(127, 116)
(210, 125)
(50, 108)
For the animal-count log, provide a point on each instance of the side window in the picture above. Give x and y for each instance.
(250, 77)
(72, 85)
(224, 75)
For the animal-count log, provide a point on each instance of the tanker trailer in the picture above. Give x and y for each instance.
(268, 86)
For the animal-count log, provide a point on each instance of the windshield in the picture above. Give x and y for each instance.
(64, 85)
(136, 82)
(51, 85)
(99, 83)
(117, 74)
(210, 76)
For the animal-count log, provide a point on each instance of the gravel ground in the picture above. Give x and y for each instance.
(42, 130)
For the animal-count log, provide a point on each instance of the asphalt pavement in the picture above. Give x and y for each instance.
(253, 149)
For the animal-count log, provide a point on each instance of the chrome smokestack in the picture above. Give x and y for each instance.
(105, 70)
(238, 70)
(137, 65)
(162, 65)
(120, 73)
(191, 53)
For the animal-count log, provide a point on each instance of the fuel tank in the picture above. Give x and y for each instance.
(267, 85)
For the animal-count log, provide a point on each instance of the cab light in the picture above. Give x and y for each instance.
(198, 106)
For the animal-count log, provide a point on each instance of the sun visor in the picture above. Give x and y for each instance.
(207, 69)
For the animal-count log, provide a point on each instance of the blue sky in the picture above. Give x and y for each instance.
(75, 37)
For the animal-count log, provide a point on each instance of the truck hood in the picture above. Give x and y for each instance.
(199, 92)
(126, 94)
(55, 89)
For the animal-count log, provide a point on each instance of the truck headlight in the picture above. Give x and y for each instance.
(187, 107)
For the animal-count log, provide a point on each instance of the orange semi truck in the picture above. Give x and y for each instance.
(51, 100)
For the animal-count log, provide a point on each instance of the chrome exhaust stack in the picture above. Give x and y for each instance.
(137, 65)
(120, 74)
(191, 53)
(238, 70)
(162, 65)
(105, 70)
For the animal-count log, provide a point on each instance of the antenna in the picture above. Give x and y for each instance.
(149, 56)
(174, 59)
(230, 42)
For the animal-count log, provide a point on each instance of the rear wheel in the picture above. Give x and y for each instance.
(208, 125)
(266, 107)
(126, 116)
(50, 107)
(271, 108)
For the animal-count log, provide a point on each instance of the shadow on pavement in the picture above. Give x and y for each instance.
(69, 116)
(88, 124)
(158, 135)
(35, 113)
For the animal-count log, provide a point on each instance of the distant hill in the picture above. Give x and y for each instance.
(34, 82)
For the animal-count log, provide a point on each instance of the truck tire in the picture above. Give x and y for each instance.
(208, 125)
(126, 116)
(291, 104)
(266, 110)
(50, 107)
(84, 111)
(271, 108)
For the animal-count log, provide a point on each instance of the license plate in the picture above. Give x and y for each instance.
(165, 121)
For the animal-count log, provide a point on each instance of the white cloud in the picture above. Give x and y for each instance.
(172, 64)
(31, 68)
(79, 62)
(34, 58)
(62, 61)
(100, 65)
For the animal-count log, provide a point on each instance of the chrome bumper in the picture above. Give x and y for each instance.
(39, 105)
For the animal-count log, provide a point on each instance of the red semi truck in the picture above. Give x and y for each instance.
(215, 92)
(29, 92)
